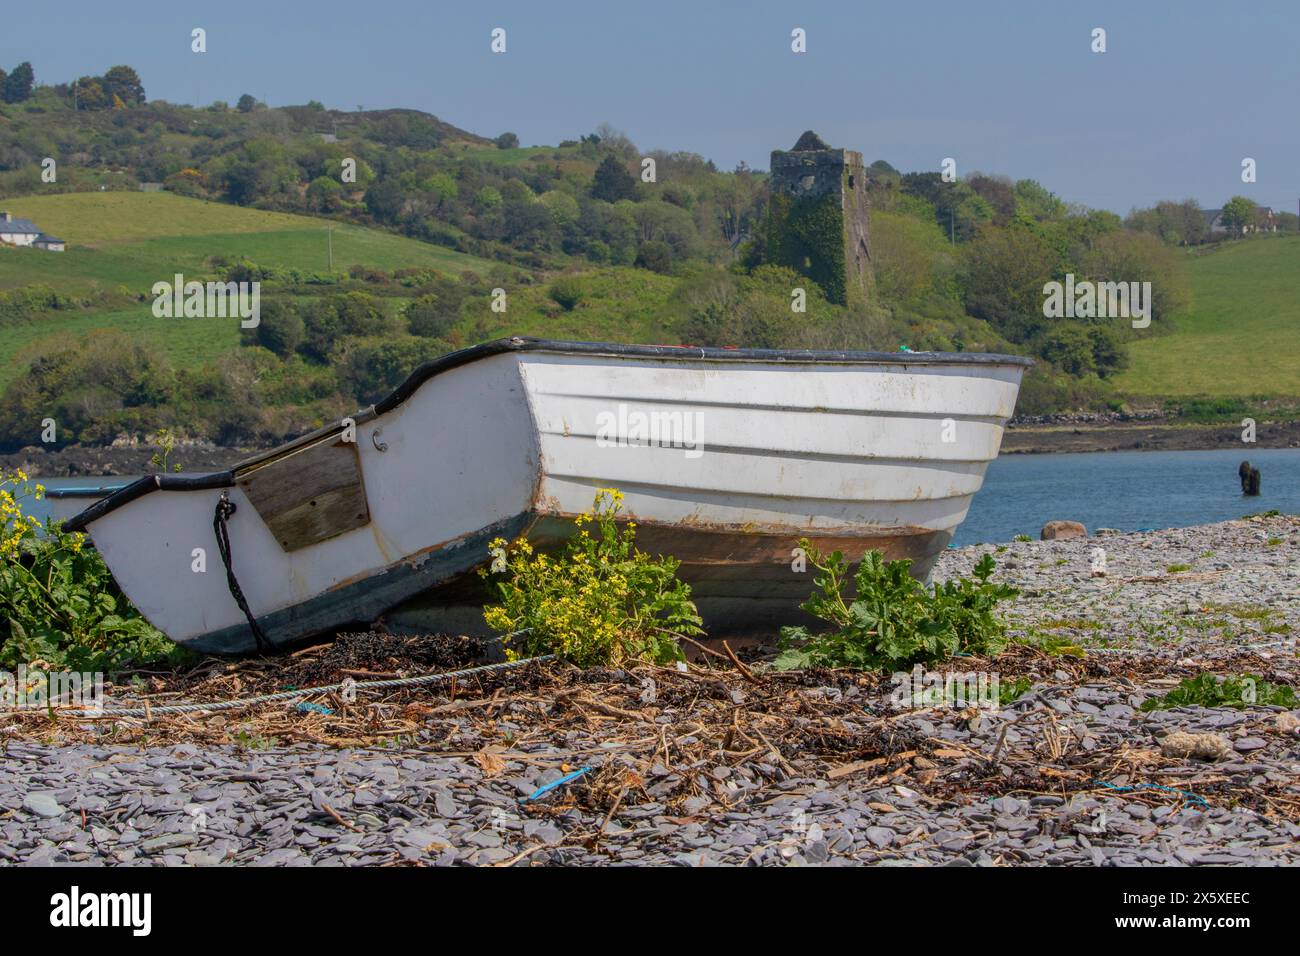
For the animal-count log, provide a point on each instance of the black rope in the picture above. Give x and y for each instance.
(226, 508)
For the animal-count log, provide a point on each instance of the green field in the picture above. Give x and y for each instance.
(132, 240)
(136, 239)
(1241, 335)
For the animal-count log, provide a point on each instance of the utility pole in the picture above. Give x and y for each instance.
(329, 231)
(952, 228)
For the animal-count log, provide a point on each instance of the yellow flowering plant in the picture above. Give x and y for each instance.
(599, 602)
(58, 603)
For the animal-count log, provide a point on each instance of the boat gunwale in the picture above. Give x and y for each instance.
(474, 353)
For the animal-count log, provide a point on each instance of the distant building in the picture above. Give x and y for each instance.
(17, 232)
(1265, 221)
(151, 187)
(49, 243)
(817, 217)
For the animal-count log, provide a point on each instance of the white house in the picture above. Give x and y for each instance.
(23, 232)
(17, 232)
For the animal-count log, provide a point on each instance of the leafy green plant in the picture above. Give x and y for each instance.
(59, 606)
(1207, 690)
(600, 602)
(1178, 568)
(1022, 537)
(1014, 691)
(894, 621)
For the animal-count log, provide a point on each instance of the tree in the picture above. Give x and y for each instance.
(612, 181)
(655, 255)
(89, 95)
(19, 83)
(1037, 202)
(1238, 213)
(124, 83)
(385, 200)
(281, 329)
(1006, 268)
(246, 103)
(507, 141)
(433, 315)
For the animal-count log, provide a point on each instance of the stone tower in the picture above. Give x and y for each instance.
(817, 219)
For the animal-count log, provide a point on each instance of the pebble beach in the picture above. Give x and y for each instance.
(736, 765)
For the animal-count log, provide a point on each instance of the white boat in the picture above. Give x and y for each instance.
(726, 457)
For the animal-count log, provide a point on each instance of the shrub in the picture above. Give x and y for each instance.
(373, 368)
(599, 602)
(894, 621)
(59, 606)
(1206, 690)
(281, 328)
(434, 314)
(567, 292)
(655, 255)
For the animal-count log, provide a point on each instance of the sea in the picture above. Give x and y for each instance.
(1128, 491)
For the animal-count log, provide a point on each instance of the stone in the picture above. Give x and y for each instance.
(1062, 530)
(42, 804)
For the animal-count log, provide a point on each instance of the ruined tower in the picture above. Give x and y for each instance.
(817, 218)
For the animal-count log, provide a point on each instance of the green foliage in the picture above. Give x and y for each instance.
(18, 84)
(808, 236)
(894, 621)
(655, 255)
(31, 302)
(1007, 693)
(281, 329)
(338, 316)
(612, 181)
(1207, 690)
(372, 368)
(567, 292)
(1238, 213)
(59, 606)
(600, 602)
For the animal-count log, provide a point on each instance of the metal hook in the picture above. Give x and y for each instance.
(374, 438)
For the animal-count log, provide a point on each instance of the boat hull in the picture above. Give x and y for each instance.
(725, 460)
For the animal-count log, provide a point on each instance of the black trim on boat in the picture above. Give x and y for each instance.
(474, 353)
(141, 487)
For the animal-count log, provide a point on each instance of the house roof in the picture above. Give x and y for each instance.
(19, 227)
(46, 237)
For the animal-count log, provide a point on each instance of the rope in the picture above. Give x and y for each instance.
(308, 691)
(226, 508)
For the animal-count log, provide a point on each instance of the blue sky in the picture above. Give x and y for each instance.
(1184, 92)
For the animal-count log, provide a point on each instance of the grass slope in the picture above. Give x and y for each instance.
(133, 240)
(1241, 335)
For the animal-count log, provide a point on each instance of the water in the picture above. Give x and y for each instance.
(1126, 490)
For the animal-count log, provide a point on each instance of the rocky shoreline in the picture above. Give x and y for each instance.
(1098, 434)
(735, 766)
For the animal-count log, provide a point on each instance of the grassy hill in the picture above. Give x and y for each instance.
(132, 240)
(1241, 335)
